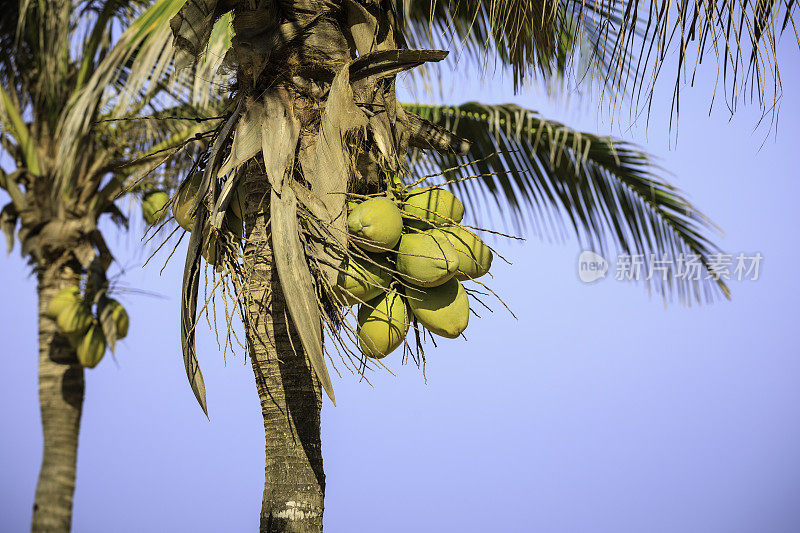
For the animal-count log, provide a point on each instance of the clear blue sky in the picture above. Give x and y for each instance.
(597, 411)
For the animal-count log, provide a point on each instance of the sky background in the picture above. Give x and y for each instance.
(598, 410)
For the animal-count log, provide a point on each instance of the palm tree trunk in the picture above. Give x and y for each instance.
(289, 391)
(61, 388)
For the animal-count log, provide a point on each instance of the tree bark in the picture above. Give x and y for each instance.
(61, 390)
(288, 389)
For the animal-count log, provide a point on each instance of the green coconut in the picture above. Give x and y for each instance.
(154, 206)
(444, 310)
(120, 318)
(232, 226)
(474, 257)
(382, 324)
(63, 298)
(92, 346)
(426, 259)
(432, 206)
(237, 201)
(182, 207)
(361, 280)
(74, 318)
(376, 223)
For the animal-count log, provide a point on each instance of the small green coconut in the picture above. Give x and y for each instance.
(182, 207)
(376, 223)
(237, 201)
(232, 226)
(154, 206)
(63, 298)
(74, 318)
(382, 324)
(444, 310)
(474, 257)
(92, 346)
(426, 259)
(361, 280)
(433, 206)
(120, 318)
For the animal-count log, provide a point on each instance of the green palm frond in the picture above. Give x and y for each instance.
(627, 44)
(136, 77)
(542, 173)
(110, 107)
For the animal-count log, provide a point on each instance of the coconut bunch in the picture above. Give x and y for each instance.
(90, 329)
(409, 260)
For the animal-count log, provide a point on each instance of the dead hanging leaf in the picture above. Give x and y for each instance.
(382, 132)
(192, 26)
(326, 167)
(109, 327)
(191, 269)
(191, 283)
(224, 198)
(105, 258)
(8, 223)
(369, 68)
(85, 253)
(28, 241)
(257, 36)
(296, 281)
(364, 29)
(280, 131)
(246, 137)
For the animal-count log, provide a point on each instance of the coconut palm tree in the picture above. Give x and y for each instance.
(314, 120)
(66, 71)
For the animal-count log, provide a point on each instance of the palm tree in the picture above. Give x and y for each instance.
(65, 74)
(314, 120)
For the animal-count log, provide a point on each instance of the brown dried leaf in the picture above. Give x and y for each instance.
(297, 283)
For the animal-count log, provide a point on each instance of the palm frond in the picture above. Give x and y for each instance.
(532, 39)
(12, 122)
(627, 44)
(137, 74)
(543, 174)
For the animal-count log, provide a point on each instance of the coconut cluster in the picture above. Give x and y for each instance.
(76, 321)
(410, 258)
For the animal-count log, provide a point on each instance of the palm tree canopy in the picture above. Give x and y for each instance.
(66, 74)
